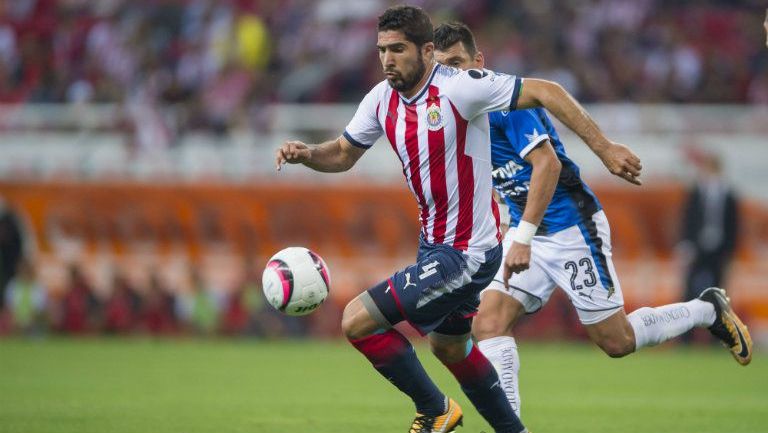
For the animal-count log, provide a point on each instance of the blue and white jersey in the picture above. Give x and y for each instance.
(513, 135)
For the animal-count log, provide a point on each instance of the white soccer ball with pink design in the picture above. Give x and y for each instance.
(296, 281)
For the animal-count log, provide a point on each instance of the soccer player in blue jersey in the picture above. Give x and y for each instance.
(559, 236)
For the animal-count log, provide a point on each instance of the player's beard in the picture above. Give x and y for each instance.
(404, 83)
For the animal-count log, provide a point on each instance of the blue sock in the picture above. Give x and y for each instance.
(393, 356)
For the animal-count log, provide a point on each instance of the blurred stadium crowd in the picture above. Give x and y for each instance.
(155, 297)
(220, 62)
(152, 308)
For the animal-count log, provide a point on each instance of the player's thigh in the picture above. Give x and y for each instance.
(579, 260)
(478, 273)
(425, 293)
(497, 315)
(614, 334)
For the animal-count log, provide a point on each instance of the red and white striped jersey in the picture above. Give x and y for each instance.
(441, 136)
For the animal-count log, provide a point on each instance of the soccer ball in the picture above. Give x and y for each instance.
(296, 281)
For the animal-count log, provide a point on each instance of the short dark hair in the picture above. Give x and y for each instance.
(450, 33)
(411, 20)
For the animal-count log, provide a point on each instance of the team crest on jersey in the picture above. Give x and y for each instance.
(435, 120)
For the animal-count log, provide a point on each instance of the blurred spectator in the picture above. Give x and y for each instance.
(242, 304)
(11, 246)
(217, 64)
(224, 99)
(26, 300)
(765, 25)
(122, 308)
(157, 313)
(710, 226)
(235, 316)
(199, 308)
(80, 309)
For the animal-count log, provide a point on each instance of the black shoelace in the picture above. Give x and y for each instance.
(423, 423)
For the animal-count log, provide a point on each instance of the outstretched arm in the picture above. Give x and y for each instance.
(619, 159)
(329, 157)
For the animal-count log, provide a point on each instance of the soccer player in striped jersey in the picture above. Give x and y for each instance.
(559, 236)
(435, 119)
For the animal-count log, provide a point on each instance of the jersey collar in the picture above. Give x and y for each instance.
(423, 89)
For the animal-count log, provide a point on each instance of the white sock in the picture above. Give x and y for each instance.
(657, 325)
(502, 352)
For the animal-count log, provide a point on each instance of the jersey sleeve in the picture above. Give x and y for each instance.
(477, 91)
(525, 130)
(364, 128)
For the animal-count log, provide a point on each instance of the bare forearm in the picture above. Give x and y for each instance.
(540, 192)
(328, 157)
(618, 158)
(566, 109)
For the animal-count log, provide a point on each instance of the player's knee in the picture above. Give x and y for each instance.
(350, 323)
(347, 324)
(448, 353)
(486, 326)
(618, 347)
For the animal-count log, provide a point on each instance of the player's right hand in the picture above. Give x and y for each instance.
(518, 259)
(292, 152)
(622, 162)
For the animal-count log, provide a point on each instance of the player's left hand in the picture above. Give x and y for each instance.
(518, 259)
(622, 162)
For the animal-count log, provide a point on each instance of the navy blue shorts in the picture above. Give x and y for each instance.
(439, 293)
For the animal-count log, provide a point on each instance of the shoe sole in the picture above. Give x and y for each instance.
(742, 350)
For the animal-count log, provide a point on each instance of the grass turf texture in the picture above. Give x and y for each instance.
(190, 386)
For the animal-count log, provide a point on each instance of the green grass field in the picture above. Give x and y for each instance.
(190, 386)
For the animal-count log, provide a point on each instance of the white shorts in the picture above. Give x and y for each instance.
(578, 260)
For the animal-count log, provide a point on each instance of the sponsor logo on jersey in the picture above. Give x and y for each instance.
(504, 182)
(507, 171)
